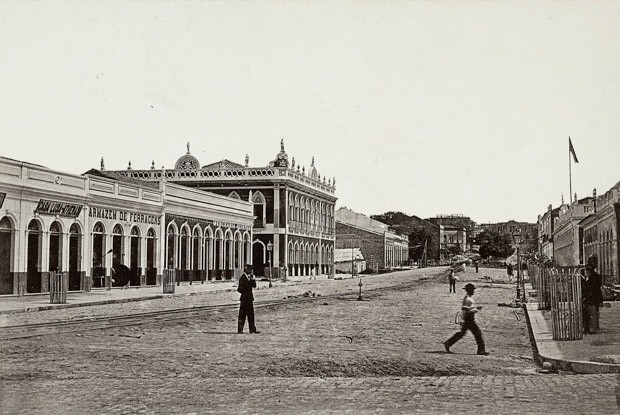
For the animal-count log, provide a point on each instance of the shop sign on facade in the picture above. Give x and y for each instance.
(114, 214)
(50, 207)
(171, 217)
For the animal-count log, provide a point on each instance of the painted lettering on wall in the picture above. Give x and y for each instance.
(114, 214)
(49, 207)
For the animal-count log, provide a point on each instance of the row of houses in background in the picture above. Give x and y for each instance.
(586, 228)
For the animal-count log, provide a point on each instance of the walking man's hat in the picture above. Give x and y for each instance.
(469, 286)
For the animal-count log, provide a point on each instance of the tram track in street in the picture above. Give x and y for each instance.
(137, 319)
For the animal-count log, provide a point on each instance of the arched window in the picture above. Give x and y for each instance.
(5, 224)
(55, 247)
(184, 248)
(34, 258)
(98, 254)
(75, 255)
(171, 246)
(7, 248)
(259, 209)
(135, 253)
(34, 226)
(117, 245)
(55, 227)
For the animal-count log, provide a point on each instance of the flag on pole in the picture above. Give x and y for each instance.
(572, 150)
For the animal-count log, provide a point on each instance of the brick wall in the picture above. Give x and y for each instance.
(371, 244)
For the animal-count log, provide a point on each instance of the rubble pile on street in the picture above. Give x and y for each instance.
(305, 294)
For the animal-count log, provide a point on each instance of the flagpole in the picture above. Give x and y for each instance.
(570, 178)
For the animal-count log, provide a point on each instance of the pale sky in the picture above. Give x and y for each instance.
(425, 107)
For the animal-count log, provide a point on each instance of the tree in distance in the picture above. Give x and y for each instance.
(493, 244)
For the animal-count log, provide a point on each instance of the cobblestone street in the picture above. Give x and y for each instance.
(329, 355)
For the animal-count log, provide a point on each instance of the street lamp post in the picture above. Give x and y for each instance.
(269, 248)
(517, 238)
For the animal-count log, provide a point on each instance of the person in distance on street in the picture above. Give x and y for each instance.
(246, 308)
(469, 310)
(452, 280)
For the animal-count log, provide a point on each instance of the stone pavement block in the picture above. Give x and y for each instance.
(551, 394)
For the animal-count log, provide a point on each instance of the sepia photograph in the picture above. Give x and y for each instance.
(309, 207)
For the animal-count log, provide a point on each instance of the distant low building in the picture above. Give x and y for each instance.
(452, 241)
(458, 228)
(382, 247)
(528, 231)
(349, 260)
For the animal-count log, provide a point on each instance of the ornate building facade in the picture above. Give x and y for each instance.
(294, 223)
(89, 225)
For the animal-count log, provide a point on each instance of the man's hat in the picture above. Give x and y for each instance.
(249, 266)
(469, 286)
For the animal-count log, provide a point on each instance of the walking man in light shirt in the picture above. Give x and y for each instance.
(469, 309)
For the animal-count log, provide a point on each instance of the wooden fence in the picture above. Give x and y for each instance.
(559, 290)
(539, 278)
(59, 285)
(168, 281)
(566, 311)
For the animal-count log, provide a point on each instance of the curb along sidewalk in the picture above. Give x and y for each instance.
(595, 353)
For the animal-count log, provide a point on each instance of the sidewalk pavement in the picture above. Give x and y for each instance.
(595, 353)
(41, 302)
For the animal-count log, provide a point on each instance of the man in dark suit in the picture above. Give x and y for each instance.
(592, 299)
(246, 309)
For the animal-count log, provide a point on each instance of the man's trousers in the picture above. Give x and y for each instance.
(246, 309)
(469, 324)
